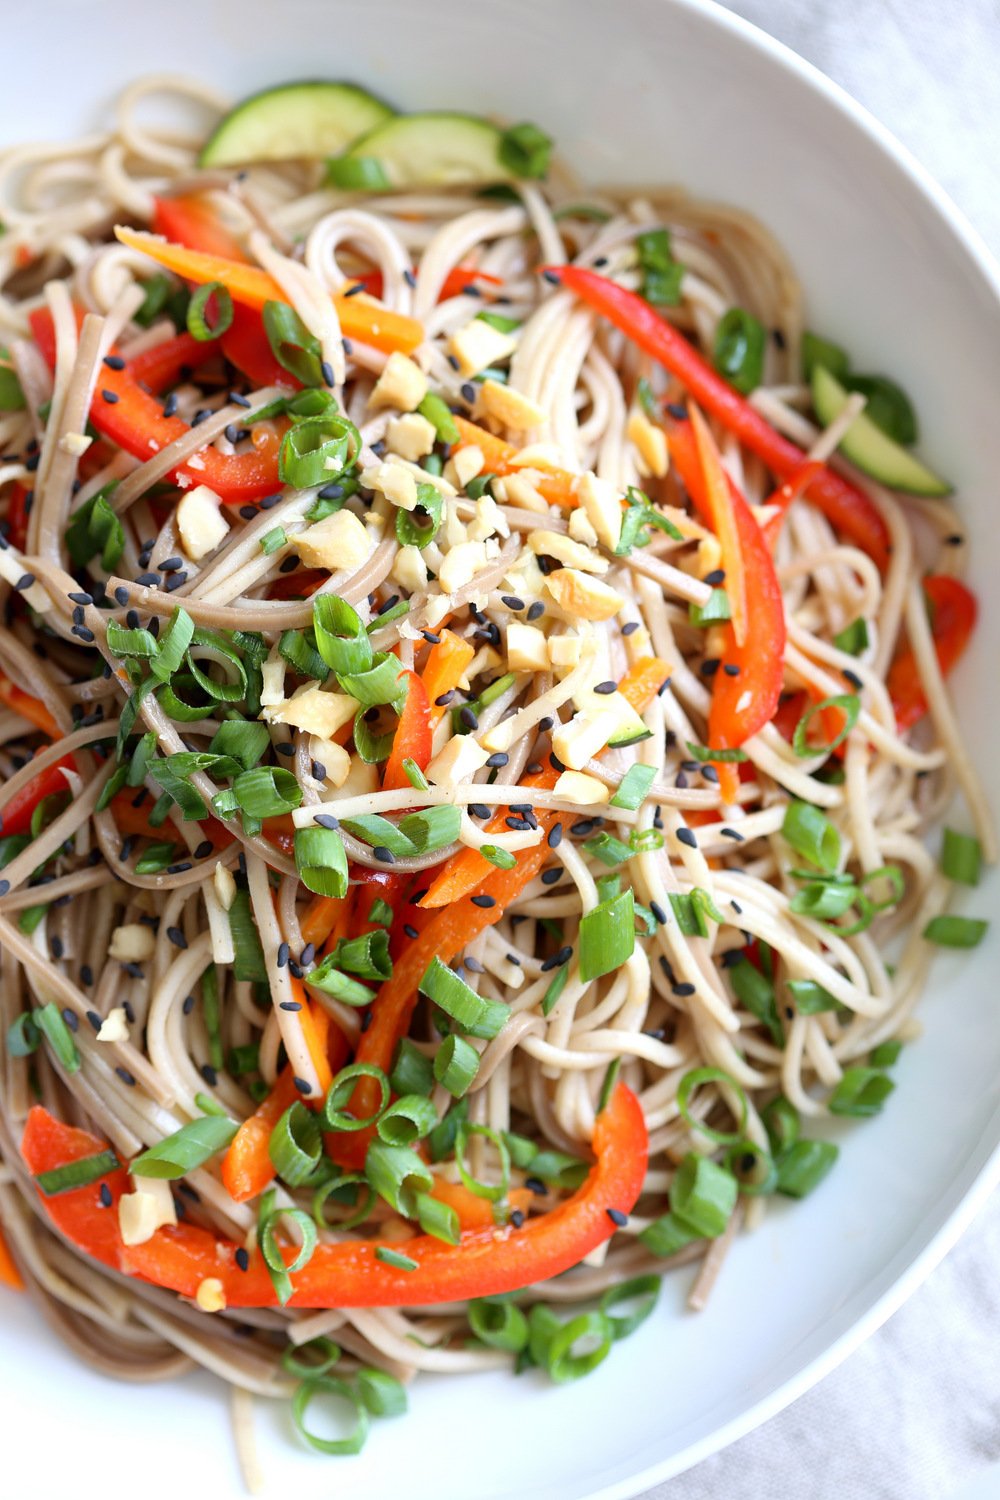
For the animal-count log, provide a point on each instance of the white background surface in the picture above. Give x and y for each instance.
(915, 1413)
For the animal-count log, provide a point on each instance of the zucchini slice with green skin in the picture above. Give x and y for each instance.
(422, 150)
(868, 446)
(309, 120)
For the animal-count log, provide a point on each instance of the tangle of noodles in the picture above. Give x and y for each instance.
(86, 923)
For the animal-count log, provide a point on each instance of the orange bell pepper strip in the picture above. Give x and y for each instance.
(32, 709)
(845, 506)
(379, 327)
(443, 670)
(558, 486)
(247, 1168)
(643, 681)
(9, 1274)
(322, 917)
(16, 816)
(485, 1262)
(954, 611)
(717, 501)
(473, 1212)
(412, 740)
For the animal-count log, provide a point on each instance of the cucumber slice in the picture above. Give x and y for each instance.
(310, 119)
(421, 150)
(631, 732)
(868, 447)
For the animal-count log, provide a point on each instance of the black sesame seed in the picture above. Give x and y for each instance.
(188, 1005)
(110, 397)
(72, 1019)
(80, 598)
(710, 773)
(148, 580)
(105, 1196)
(710, 666)
(431, 637)
(544, 725)
(737, 908)
(95, 1020)
(86, 974)
(686, 836)
(500, 758)
(170, 405)
(536, 1185)
(242, 1259)
(326, 370)
(779, 338)
(285, 748)
(122, 596)
(384, 855)
(179, 869)
(618, 1219)
(204, 849)
(536, 609)
(268, 502)
(410, 931)
(468, 392)
(713, 579)
(289, 1005)
(730, 833)
(853, 678)
(658, 912)
(283, 951)
(519, 825)
(731, 669)
(955, 540)
(552, 277)
(308, 954)
(606, 687)
(554, 837)
(512, 601)
(303, 1085)
(484, 901)
(177, 937)
(318, 770)
(628, 629)
(248, 512)
(327, 820)
(24, 582)
(294, 969)
(352, 291)
(478, 810)
(468, 718)
(125, 1076)
(677, 409)
(56, 947)
(550, 877)
(517, 1217)
(683, 990)
(132, 619)
(209, 1074)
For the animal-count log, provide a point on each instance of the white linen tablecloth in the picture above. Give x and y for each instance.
(915, 1413)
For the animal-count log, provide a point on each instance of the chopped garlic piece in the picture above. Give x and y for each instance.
(510, 407)
(460, 759)
(583, 597)
(479, 345)
(527, 648)
(565, 550)
(114, 1027)
(340, 542)
(402, 384)
(409, 569)
(74, 443)
(314, 711)
(211, 1295)
(602, 506)
(201, 525)
(650, 441)
(411, 436)
(132, 943)
(575, 786)
(225, 886)
(461, 565)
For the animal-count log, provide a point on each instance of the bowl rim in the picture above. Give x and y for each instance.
(987, 1178)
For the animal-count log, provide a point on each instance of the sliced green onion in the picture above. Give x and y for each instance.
(407, 1120)
(609, 850)
(245, 1059)
(695, 1079)
(49, 1021)
(30, 918)
(296, 650)
(661, 274)
(756, 993)
(321, 861)
(249, 961)
(240, 741)
(371, 747)
(198, 325)
(367, 955)
(593, 1332)
(11, 394)
(804, 1165)
(811, 834)
(316, 450)
(703, 1195)
(955, 932)
(433, 828)
(667, 1234)
(441, 1141)
(212, 1017)
(95, 530)
(379, 684)
(607, 936)
(122, 642)
(639, 516)
(382, 1394)
(267, 1224)
(849, 705)
(498, 1323)
(413, 532)
(861, 1092)
(438, 1219)
(501, 858)
(413, 1071)
(738, 349)
(327, 1354)
(175, 641)
(473, 1015)
(77, 1174)
(555, 988)
(689, 915)
(642, 1291)
(395, 1259)
(634, 787)
(824, 900)
(752, 1166)
(190, 1147)
(330, 1387)
(340, 636)
(713, 611)
(811, 998)
(437, 412)
(708, 752)
(23, 1036)
(379, 832)
(456, 1064)
(961, 857)
(397, 1175)
(885, 1054)
(820, 351)
(340, 1092)
(559, 1170)
(853, 638)
(525, 150)
(326, 976)
(351, 1188)
(296, 1145)
(296, 349)
(493, 1192)
(267, 791)
(782, 1123)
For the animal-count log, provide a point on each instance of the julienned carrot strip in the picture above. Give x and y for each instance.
(11, 1276)
(468, 869)
(558, 486)
(643, 681)
(246, 1167)
(321, 918)
(379, 327)
(444, 669)
(723, 519)
(315, 1025)
(29, 708)
(473, 1212)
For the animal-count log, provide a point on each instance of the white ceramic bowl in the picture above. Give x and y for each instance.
(645, 90)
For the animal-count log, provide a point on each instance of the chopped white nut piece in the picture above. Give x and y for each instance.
(132, 943)
(339, 543)
(602, 506)
(402, 384)
(580, 528)
(583, 597)
(564, 651)
(272, 691)
(142, 1212)
(576, 786)
(332, 757)
(510, 407)
(453, 530)
(479, 345)
(411, 436)
(393, 480)
(461, 565)
(565, 550)
(546, 454)
(527, 648)
(460, 759)
(582, 738)
(74, 443)
(486, 659)
(467, 462)
(114, 1027)
(211, 1295)
(638, 644)
(409, 569)
(519, 490)
(709, 555)
(361, 779)
(201, 525)
(314, 711)
(225, 886)
(650, 441)
(488, 521)
(437, 608)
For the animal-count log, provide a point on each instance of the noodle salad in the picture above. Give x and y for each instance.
(472, 708)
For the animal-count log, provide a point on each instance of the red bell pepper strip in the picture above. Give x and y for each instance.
(844, 506)
(165, 364)
(17, 516)
(457, 281)
(10, 1276)
(16, 816)
(412, 740)
(786, 493)
(32, 709)
(954, 612)
(716, 498)
(744, 701)
(135, 421)
(485, 1262)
